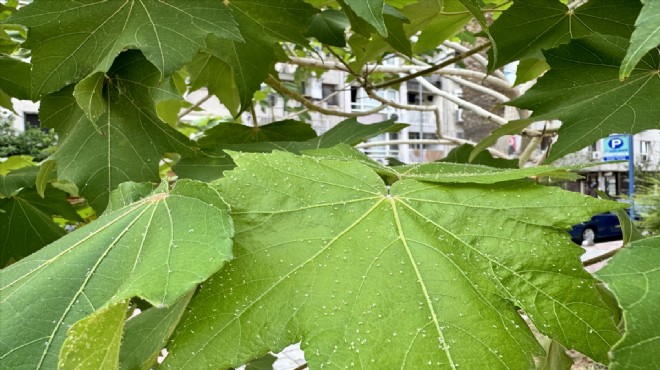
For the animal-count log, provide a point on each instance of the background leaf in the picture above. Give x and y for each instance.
(98, 156)
(583, 90)
(62, 55)
(645, 37)
(371, 11)
(530, 26)
(633, 276)
(157, 249)
(329, 27)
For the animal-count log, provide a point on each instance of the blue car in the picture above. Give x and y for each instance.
(604, 226)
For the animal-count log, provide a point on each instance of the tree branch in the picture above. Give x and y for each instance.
(280, 88)
(434, 68)
(443, 140)
(462, 103)
(480, 88)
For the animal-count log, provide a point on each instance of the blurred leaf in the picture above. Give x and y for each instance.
(645, 37)
(583, 90)
(530, 26)
(105, 326)
(329, 27)
(147, 333)
(633, 275)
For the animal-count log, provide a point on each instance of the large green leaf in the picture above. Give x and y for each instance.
(530, 26)
(633, 275)
(263, 24)
(393, 277)
(128, 140)
(645, 37)
(70, 39)
(158, 249)
(583, 90)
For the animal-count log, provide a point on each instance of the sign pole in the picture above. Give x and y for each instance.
(631, 176)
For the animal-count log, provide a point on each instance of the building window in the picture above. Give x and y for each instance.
(330, 95)
(645, 150)
(31, 120)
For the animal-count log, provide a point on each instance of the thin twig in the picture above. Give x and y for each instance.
(434, 68)
(302, 367)
(255, 123)
(195, 106)
(602, 257)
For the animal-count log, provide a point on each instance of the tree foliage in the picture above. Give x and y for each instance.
(260, 237)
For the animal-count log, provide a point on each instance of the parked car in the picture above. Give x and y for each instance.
(604, 226)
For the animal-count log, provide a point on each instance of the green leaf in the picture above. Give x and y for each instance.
(396, 36)
(89, 95)
(511, 128)
(555, 358)
(232, 133)
(147, 333)
(157, 249)
(432, 21)
(207, 70)
(263, 24)
(15, 162)
(645, 37)
(461, 154)
(329, 27)
(262, 363)
(92, 34)
(530, 26)
(45, 175)
(129, 192)
(15, 77)
(583, 90)
(355, 270)
(93, 342)
(371, 11)
(23, 177)
(529, 69)
(633, 276)
(98, 156)
(25, 227)
(211, 164)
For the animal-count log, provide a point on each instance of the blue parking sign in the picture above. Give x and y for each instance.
(615, 148)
